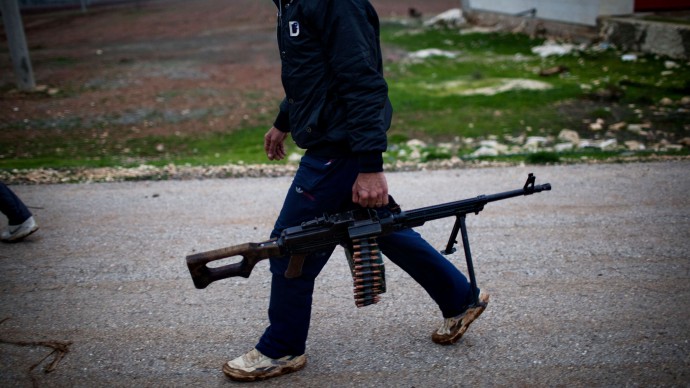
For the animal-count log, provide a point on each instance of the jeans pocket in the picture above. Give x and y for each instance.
(313, 171)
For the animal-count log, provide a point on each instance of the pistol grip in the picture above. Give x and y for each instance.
(294, 269)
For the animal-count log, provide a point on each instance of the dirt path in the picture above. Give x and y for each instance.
(160, 68)
(589, 282)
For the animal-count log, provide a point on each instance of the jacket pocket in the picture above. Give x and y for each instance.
(306, 131)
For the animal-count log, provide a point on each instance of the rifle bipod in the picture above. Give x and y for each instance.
(368, 273)
(460, 226)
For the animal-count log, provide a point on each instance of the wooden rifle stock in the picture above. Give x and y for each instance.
(251, 253)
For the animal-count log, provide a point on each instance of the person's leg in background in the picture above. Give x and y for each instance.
(21, 221)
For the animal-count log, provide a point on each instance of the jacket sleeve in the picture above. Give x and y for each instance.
(282, 121)
(351, 42)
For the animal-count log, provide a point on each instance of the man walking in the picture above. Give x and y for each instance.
(336, 107)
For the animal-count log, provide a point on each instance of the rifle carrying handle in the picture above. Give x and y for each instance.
(251, 253)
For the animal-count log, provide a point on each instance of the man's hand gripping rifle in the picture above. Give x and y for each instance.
(355, 230)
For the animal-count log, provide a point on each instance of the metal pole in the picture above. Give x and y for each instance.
(466, 9)
(17, 43)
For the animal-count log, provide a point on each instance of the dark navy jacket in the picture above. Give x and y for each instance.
(336, 99)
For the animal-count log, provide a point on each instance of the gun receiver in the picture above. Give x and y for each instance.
(350, 229)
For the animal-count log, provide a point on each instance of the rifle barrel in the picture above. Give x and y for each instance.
(417, 217)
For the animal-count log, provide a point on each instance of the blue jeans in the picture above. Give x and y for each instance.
(12, 207)
(325, 186)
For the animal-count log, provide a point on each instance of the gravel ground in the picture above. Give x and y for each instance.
(589, 284)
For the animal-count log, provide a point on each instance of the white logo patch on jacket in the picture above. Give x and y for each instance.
(294, 28)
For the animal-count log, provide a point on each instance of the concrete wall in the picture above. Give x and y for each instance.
(583, 12)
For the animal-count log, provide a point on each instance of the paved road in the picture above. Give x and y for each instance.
(590, 285)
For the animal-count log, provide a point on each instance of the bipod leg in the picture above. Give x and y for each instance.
(461, 227)
(468, 257)
(450, 247)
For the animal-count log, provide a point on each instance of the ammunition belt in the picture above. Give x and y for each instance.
(368, 272)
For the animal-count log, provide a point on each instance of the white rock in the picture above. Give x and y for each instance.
(415, 143)
(485, 151)
(666, 101)
(671, 65)
(564, 147)
(431, 52)
(618, 126)
(638, 129)
(586, 143)
(538, 140)
(598, 125)
(569, 135)
(506, 85)
(634, 145)
(451, 18)
(609, 144)
(552, 48)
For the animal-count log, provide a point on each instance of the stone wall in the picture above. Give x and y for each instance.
(633, 34)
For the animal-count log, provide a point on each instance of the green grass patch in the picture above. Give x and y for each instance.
(242, 146)
(412, 39)
(460, 99)
(543, 158)
(441, 98)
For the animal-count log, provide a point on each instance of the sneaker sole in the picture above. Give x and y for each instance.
(20, 238)
(470, 316)
(239, 375)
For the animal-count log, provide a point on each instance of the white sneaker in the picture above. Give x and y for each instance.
(15, 233)
(254, 366)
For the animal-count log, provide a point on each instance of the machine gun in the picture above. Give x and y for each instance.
(356, 230)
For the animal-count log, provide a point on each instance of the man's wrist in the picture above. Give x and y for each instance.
(370, 162)
(282, 122)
